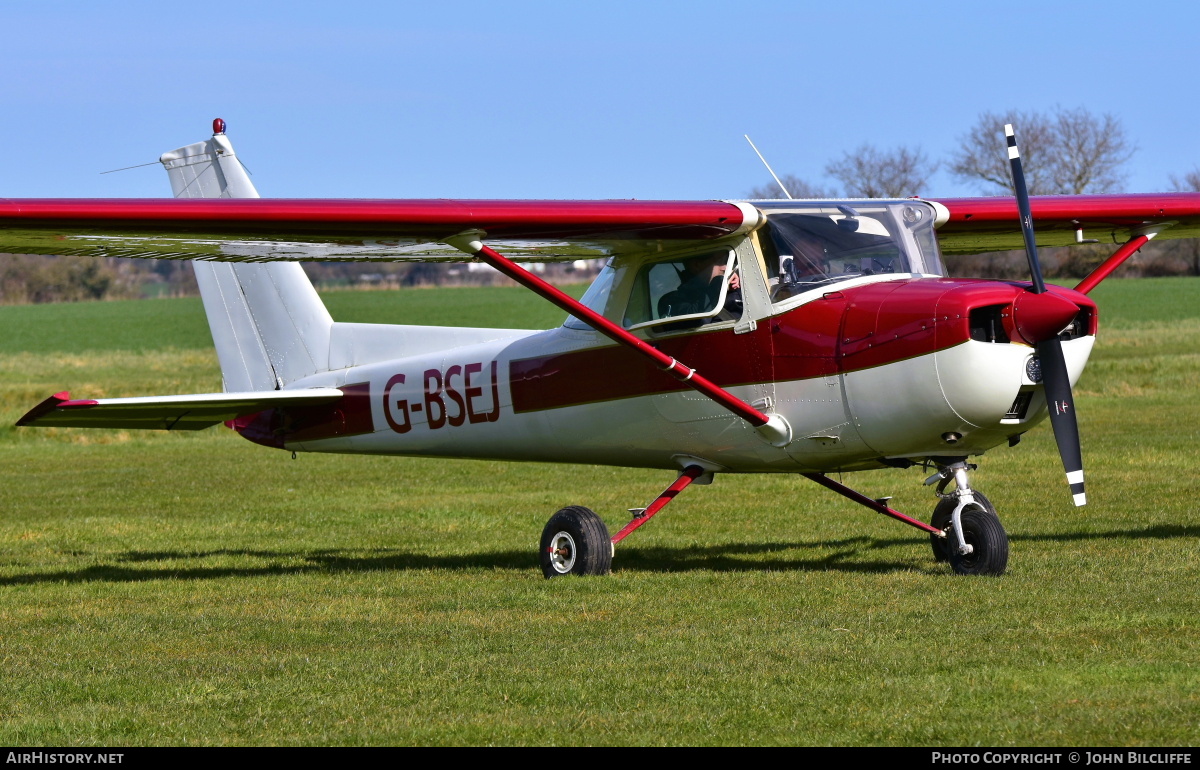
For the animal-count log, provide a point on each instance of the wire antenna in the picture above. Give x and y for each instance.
(768, 165)
(140, 165)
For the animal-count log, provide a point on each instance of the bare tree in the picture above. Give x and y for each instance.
(1189, 182)
(871, 173)
(1091, 150)
(1069, 152)
(797, 187)
(983, 159)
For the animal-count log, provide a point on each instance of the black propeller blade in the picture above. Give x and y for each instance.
(1014, 159)
(1062, 414)
(1055, 378)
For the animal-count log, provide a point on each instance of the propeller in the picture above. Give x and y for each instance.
(1042, 313)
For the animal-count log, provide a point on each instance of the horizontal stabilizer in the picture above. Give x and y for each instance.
(190, 412)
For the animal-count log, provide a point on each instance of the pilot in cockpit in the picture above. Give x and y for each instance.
(813, 249)
(803, 261)
(700, 286)
(808, 261)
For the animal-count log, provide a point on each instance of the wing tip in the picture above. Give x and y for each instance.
(60, 400)
(44, 408)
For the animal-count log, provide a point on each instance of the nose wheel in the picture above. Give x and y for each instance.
(942, 517)
(989, 544)
(975, 542)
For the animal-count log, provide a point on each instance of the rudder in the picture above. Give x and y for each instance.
(268, 324)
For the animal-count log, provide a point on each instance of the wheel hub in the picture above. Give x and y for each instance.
(562, 552)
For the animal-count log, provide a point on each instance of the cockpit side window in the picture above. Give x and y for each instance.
(685, 293)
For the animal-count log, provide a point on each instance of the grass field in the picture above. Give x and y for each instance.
(198, 589)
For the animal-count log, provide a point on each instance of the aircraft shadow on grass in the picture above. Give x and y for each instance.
(726, 557)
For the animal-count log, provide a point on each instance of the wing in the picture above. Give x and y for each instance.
(251, 230)
(192, 412)
(976, 225)
(254, 230)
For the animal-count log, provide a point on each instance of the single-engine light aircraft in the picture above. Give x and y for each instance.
(790, 336)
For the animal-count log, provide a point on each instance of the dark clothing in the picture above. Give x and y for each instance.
(697, 295)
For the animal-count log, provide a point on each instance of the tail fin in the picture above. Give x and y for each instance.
(268, 324)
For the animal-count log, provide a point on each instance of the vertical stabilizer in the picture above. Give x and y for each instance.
(208, 169)
(268, 324)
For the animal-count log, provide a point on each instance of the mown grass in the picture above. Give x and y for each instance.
(197, 589)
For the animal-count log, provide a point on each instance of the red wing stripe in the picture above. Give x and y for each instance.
(503, 220)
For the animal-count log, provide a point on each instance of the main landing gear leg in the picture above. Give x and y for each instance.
(576, 542)
(975, 542)
(965, 528)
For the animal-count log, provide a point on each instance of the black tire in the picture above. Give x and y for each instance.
(576, 542)
(982, 530)
(941, 519)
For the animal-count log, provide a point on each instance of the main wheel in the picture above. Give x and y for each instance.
(942, 514)
(982, 531)
(576, 542)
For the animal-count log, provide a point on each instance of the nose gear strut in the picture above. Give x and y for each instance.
(973, 540)
(962, 494)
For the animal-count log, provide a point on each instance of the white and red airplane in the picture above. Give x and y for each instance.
(793, 336)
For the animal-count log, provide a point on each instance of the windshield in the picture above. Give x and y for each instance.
(596, 297)
(810, 246)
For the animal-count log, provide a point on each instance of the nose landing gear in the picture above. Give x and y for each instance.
(975, 542)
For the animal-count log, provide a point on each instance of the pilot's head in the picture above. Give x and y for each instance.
(708, 265)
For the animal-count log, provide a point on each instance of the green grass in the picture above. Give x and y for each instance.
(152, 325)
(1134, 302)
(197, 589)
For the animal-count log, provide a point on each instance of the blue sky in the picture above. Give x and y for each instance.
(567, 99)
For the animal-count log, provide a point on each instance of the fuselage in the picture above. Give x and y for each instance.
(869, 372)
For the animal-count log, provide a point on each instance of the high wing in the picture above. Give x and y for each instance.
(976, 225)
(192, 412)
(253, 230)
(250, 230)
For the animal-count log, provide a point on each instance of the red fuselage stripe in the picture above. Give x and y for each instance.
(680, 372)
(349, 416)
(844, 331)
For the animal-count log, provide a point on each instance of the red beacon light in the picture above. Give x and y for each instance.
(218, 126)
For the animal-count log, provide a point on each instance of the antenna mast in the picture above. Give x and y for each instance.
(768, 165)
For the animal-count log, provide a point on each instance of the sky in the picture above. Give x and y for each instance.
(574, 99)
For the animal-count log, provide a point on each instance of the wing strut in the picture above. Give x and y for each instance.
(1127, 250)
(773, 428)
